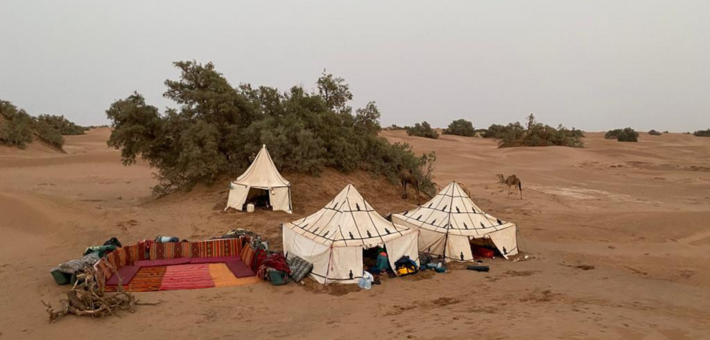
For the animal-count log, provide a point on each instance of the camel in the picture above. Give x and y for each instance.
(512, 181)
(407, 177)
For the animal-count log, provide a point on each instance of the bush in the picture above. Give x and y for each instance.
(495, 131)
(625, 135)
(534, 134)
(47, 133)
(393, 127)
(460, 127)
(654, 133)
(422, 130)
(61, 124)
(702, 133)
(217, 127)
(15, 126)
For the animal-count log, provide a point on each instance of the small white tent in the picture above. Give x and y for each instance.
(449, 222)
(334, 237)
(261, 175)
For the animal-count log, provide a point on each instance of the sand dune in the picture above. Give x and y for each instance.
(618, 233)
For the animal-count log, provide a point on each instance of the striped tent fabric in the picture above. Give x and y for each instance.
(451, 220)
(332, 239)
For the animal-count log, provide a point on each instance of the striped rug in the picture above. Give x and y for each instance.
(187, 276)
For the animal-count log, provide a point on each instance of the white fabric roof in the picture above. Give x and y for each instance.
(262, 173)
(348, 221)
(452, 212)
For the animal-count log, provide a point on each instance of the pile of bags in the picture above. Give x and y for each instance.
(279, 269)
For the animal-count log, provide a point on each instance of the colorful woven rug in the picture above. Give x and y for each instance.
(148, 279)
(187, 276)
(223, 276)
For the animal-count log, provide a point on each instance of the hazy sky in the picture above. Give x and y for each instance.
(594, 65)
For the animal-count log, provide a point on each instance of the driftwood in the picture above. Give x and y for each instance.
(88, 298)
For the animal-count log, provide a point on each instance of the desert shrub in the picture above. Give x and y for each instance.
(654, 133)
(15, 125)
(495, 131)
(47, 133)
(460, 127)
(422, 130)
(702, 133)
(61, 124)
(393, 127)
(666, 131)
(216, 127)
(623, 135)
(535, 134)
(17, 128)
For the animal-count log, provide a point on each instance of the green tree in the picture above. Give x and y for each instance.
(460, 127)
(422, 130)
(217, 127)
(623, 135)
(15, 125)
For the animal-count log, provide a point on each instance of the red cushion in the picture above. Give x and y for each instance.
(126, 272)
(222, 259)
(240, 269)
(158, 263)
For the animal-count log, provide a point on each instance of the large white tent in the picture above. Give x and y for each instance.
(449, 222)
(261, 175)
(333, 238)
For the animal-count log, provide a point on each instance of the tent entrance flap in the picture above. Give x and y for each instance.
(237, 196)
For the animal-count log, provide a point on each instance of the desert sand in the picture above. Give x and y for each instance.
(618, 236)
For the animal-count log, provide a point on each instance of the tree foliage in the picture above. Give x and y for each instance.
(534, 133)
(421, 130)
(64, 126)
(702, 133)
(18, 128)
(623, 135)
(460, 127)
(15, 125)
(216, 127)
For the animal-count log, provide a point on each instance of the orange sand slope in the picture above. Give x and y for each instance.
(619, 238)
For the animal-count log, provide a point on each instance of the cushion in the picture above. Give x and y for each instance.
(215, 259)
(126, 272)
(240, 269)
(157, 263)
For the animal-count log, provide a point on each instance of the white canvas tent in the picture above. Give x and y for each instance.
(334, 237)
(263, 175)
(451, 220)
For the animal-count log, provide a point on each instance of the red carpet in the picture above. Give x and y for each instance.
(187, 276)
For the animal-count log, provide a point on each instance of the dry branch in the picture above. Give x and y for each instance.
(88, 298)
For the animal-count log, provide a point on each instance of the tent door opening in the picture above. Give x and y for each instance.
(483, 248)
(259, 198)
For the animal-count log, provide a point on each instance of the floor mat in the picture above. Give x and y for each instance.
(187, 276)
(147, 279)
(223, 276)
(240, 269)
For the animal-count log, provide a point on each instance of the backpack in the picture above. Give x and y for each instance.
(405, 266)
(277, 277)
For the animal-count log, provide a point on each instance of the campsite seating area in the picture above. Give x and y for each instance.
(153, 266)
